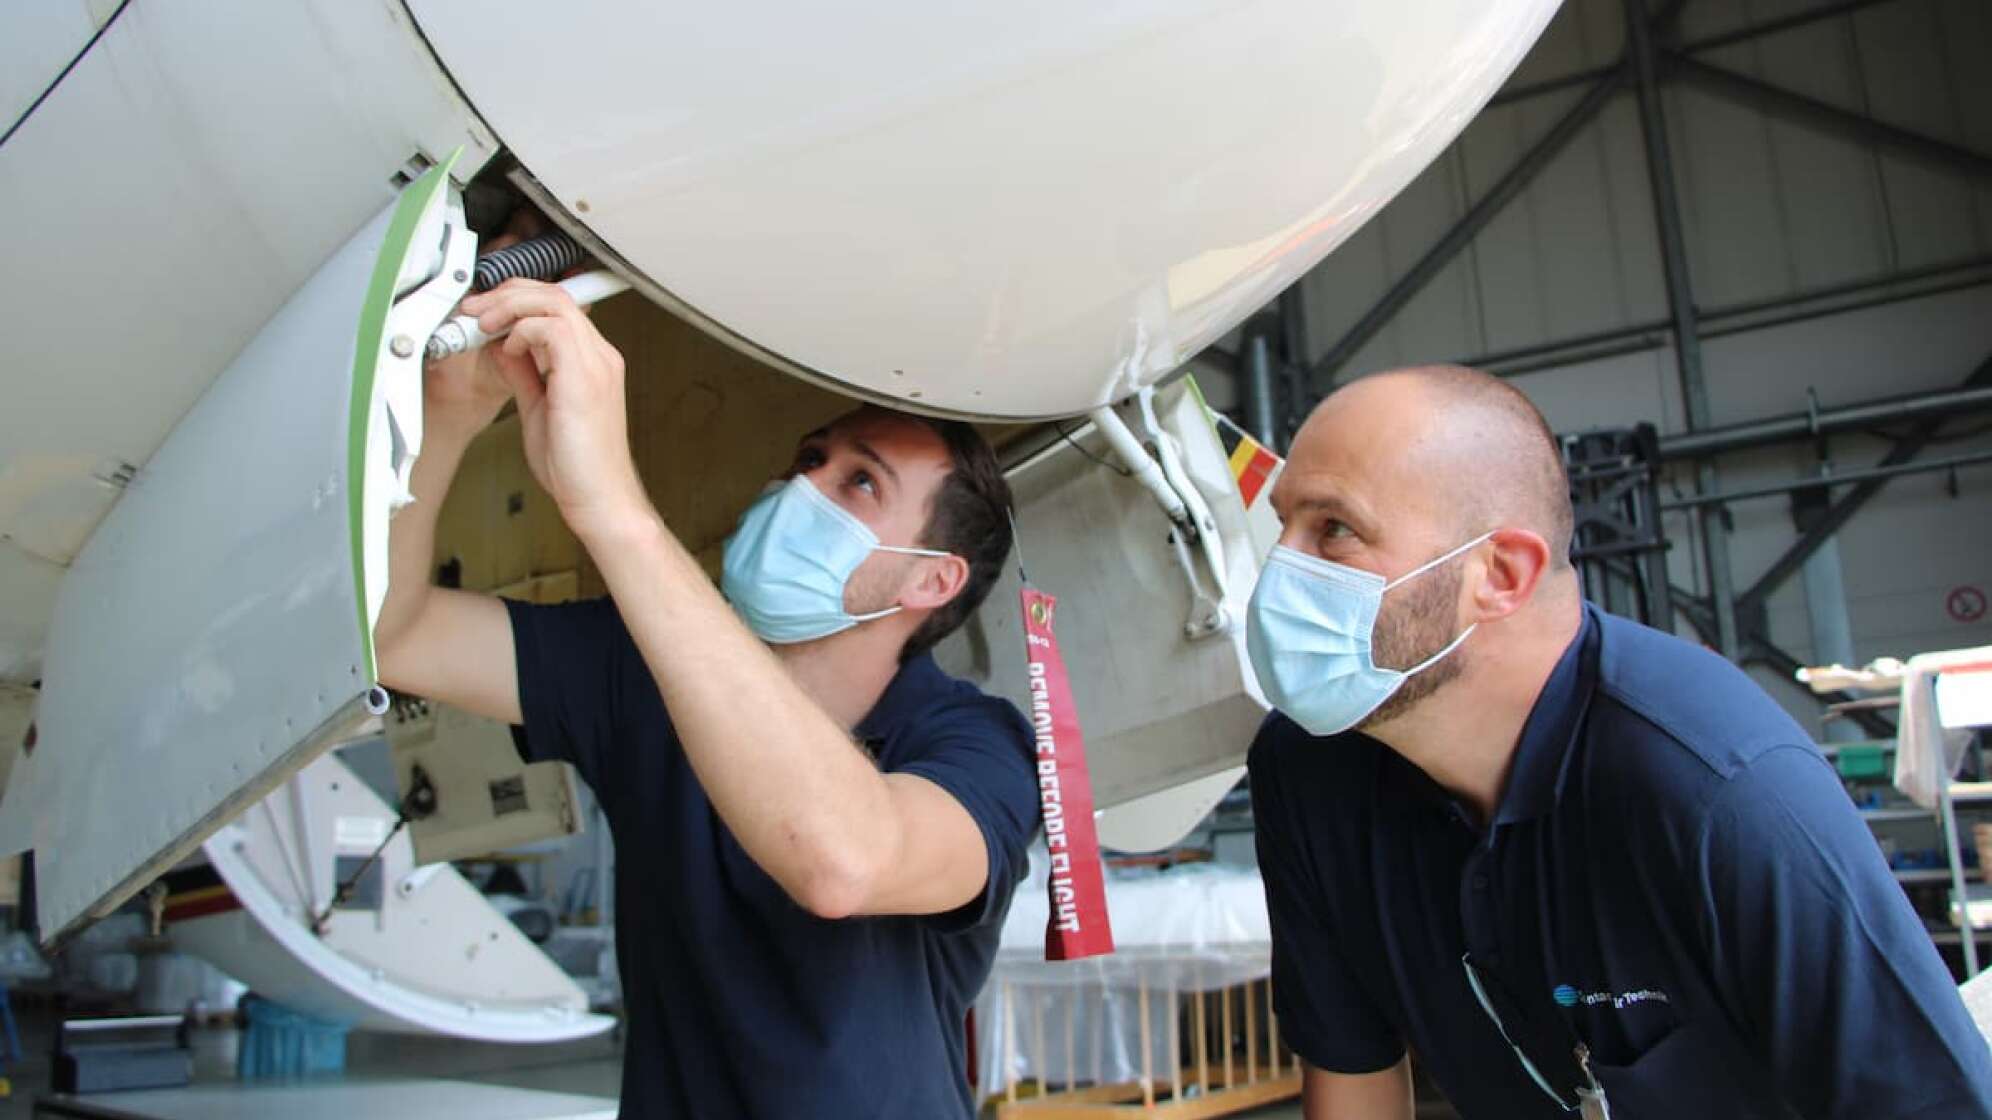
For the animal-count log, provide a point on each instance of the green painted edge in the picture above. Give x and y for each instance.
(1197, 391)
(408, 210)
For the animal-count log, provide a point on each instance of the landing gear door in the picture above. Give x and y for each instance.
(216, 632)
(1167, 704)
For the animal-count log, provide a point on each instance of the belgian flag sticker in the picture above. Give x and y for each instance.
(1251, 463)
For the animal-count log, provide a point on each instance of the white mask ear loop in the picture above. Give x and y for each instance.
(896, 608)
(1435, 658)
(1429, 565)
(1455, 643)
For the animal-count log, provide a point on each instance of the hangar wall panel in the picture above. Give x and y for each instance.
(1771, 207)
(1908, 548)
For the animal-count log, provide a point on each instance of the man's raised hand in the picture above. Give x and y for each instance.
(568, 382)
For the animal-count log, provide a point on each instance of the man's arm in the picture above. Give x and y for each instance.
(796, 792)
(1819, 957)
(438, 642)
(808, 806)
(1383, 1095)
(1325, 1012)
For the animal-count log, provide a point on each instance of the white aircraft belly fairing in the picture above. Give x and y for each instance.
(424, 952)
(1019, 211)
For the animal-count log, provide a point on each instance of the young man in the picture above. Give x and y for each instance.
(817, 831)
(1573, 863)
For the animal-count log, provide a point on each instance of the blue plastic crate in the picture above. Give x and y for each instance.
(282, 1043)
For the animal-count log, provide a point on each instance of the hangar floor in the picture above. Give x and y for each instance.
(589, 1067)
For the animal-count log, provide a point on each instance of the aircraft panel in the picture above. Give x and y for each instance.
(215, 634)
(1004, 211)
(195, 167)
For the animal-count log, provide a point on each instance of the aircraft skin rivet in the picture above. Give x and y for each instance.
(401, 346)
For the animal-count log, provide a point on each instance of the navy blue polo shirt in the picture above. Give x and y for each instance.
(1674, 876)
(740, 1003)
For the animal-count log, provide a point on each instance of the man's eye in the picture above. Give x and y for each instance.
(864, 481)
(808, 459)
(1334, 530)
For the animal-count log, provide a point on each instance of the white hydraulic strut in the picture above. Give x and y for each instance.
(1137, 460)
(1184, 507)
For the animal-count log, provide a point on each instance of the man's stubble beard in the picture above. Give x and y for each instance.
(876, 589)
(1415, 623)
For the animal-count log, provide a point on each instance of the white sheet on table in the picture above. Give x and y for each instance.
(1197, 927)
(1927, 752)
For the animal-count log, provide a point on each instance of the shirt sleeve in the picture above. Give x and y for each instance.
(1822, 960)
(981, 755)
(569, 658)
(1325, 1015)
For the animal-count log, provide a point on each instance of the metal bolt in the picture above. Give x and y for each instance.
(402, 346)
(460, 276)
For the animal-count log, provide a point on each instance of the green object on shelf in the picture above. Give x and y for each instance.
(1861, 761)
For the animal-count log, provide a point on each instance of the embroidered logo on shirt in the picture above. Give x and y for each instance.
(1567, 996)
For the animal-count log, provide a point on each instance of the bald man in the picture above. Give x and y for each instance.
(1574, 864)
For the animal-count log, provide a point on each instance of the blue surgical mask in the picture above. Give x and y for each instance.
(787, 562)
(1310, 630)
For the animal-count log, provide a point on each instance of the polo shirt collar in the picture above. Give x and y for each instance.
(915, 683)
(1543, 751)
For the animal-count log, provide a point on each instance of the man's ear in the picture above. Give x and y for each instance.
(1512, 568)
(940, 579)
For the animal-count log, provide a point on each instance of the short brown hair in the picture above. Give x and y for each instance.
(970, 517)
